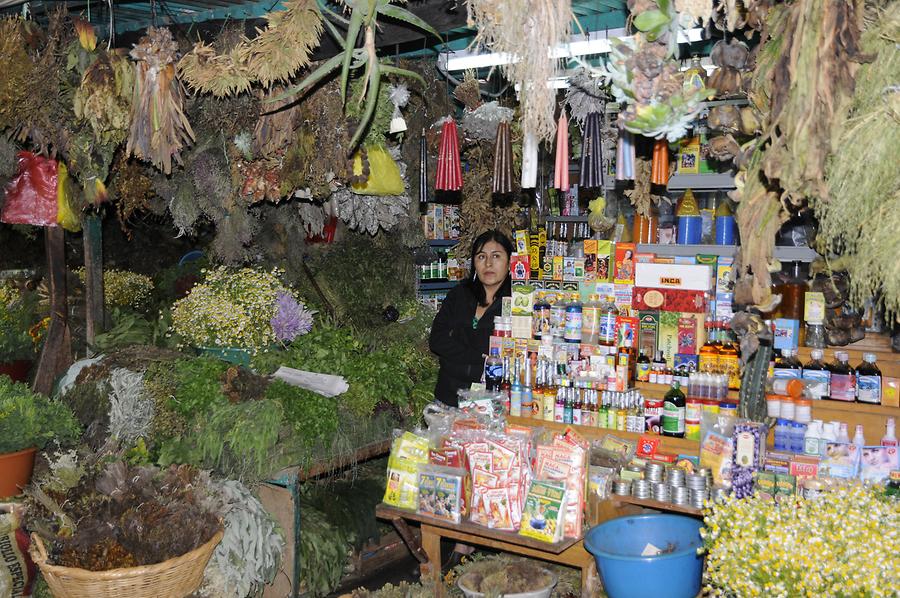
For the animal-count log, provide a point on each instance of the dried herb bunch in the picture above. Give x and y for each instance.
(17, 71)
(159, 126)
(275, 55)
(864, 190)
(526, 28)
(121, 516)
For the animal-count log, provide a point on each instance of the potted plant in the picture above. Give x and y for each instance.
(28, 421)
(20, 332)
(235, 313)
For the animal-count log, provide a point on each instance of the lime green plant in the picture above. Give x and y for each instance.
(29, 420)
(19, 324)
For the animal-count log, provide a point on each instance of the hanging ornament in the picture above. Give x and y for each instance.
(561, 170)
(625, 156)
(423, 169)
(659, 171)
(591, 153)
(529, 161)
(503, 170)
(449, 168)
(399, 97)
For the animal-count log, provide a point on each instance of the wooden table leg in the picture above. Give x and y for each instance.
(431, 543)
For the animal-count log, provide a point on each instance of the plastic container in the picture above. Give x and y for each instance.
(541, 593)
(15, 471)
(773, 405)
(617, 546)
(803, 411)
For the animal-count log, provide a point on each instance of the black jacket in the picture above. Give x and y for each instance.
(459, 347)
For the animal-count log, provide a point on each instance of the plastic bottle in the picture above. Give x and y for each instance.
(797, 435)
(729, 357)
(643, 367)
(506, 383)
(709, 352)
(788, 366)
(558, 319)
(782, 432)
(811, 438)
(859, 439)
(577, 404)
(549, 394)
(843, 378)
(527, 391)
(890, 435)
(818, 375)
(688, 222)
(674, 405)
(540, 317)
(725, 226)
(606, 329)
(493, 370)
(828, 435)
(515, 391)
(590, 320)
(559, 407)
(843, 434)
(868, 380)
(569, 405)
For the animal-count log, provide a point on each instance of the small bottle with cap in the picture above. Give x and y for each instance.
(868, 380)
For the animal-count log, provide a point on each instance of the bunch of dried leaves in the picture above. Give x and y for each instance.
(277, 52)
(159, 126)
(122, 516)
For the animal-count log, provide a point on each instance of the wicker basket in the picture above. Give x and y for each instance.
(174, 578)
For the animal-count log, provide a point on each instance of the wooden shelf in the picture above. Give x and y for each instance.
(666, 444)
(879, 344)
(655, 504)
(659, 390)
(855, 408)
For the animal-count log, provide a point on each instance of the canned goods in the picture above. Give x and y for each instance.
(679, 495)
(654, 472)
(675, 477)
(661, 492)
(692, 430)
(622, 487)
(640, 489)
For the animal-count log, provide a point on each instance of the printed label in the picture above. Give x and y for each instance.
(745, 449)
(821, 387)
(672, 418)
(607, 328)
(843, 387)
(786, 373)
(868, 389)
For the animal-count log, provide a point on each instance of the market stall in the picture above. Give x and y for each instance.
(258, 340)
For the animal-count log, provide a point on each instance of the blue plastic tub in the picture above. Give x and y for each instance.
(617, 546)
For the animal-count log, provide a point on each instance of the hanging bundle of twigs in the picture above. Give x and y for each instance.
(526, 29)
(159, 127)
(503, 166)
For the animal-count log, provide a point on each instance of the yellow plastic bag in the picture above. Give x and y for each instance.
(384, 174)
(66, 217)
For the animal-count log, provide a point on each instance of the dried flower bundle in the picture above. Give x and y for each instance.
(526, 29)
(159, 126)
(275, 55)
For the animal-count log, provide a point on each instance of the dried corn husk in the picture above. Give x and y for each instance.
(159, 126)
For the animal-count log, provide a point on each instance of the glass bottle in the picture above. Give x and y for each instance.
(643, 368)
(709, 352)
(818, 375)
(695, 76)
(493, 370)
(843, 378)
(527, 390)
(729, 358)
(868, 380)
(559, 408)
(792, 295)
(659, 364)
(787, 366)
(590, 320)
(606, 332)
(549, 393)
(505, 383)
(537, 392)
(572, 331)
(515, 390)
(674, 405)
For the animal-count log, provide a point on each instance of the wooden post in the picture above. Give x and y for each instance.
(93, 276)
(56, 354)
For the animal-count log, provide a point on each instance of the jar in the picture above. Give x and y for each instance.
(773, 406)
(803, 411)
(788, 408)
(815, 335)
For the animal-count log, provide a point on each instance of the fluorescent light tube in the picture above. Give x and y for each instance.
(578, 45)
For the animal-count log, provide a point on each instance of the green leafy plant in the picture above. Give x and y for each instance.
(19, 319)
(363, 19)
(198, 385)
(28, 419)
(312, 416)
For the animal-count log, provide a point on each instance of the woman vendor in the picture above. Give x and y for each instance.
(462, 329)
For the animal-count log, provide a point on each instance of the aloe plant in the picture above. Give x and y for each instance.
(363, 18)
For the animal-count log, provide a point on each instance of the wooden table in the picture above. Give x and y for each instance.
(567, 552)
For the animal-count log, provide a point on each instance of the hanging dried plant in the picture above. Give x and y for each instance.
(526, 29)
(159, 126)
(276, 125)
(104, 97)
(275, 55)
(132, 190)
(641, 196)
(586, 93)
(469, 91)
(16, 67)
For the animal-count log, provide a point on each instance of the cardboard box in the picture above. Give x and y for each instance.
(667, 337)
(687, 333)
(787, 333)
(521, 238)
(605, 262)
(803, 466)
(890, 392)
(557, 267)
(569, 269)
(648, 328)
(672, 276)
(764, 483)
(627, 330)
(814, 307)
(623, 296)
(521, 326)
(590, 260)
(520, 267)
(687, 362)
(723, 306)
(725, 275)
(625, 263)
(651, 299)
(522, 300)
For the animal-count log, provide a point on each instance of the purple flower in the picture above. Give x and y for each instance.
(292, 319)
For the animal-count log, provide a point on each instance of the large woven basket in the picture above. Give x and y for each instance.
(174, 578)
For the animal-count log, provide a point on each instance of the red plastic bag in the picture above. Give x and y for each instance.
(31, 196)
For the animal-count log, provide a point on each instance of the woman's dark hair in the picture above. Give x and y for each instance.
(477, 287)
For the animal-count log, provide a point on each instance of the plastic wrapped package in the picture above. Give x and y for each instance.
(31, 197)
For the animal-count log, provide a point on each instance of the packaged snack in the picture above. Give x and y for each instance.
(442, 493)
(543, 512)
(407, 454)
(877, 462)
